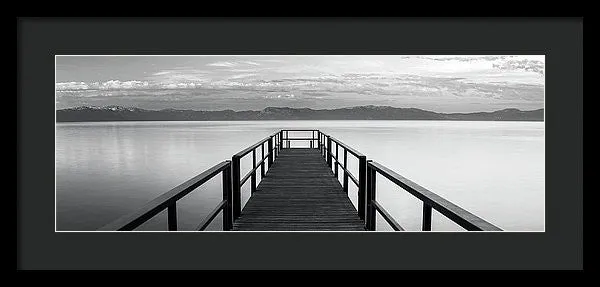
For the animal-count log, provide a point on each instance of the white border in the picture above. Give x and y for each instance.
(291, 231)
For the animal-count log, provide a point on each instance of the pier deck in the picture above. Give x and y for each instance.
(299, 192)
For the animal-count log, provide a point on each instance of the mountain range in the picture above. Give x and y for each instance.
(119, 113)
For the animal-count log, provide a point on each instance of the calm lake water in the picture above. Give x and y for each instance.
(492, 169)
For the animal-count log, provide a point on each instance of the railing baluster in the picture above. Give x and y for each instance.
(235, 179)
(337, 145)
(319, 140)
(426, 217)
(262, 163)
(281, 139)
(172, 216)
(325, 148)
(271, 152)
(227, 209)
(345, 170)
(253, 177)
(329, 151)
(276, 143)
(362, 185)
(371, 191)
(322, 145)
(287, 137)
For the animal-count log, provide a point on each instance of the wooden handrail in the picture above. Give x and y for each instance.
(254, 146)
(362, 168)
(452, 211)
(350, 150)
(395, 225)
(273, 141)
(167, 200)
(211, 216)
(345, 170)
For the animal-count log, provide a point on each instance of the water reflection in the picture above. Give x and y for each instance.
(493, 169)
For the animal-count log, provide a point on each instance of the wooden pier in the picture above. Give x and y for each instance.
(300, 191)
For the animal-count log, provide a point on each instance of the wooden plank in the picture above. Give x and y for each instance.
(299, 193)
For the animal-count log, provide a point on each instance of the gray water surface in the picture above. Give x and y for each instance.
(493, 169)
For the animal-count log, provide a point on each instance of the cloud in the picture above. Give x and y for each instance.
(222, 64)
(250, 63)
(242, 76)
(523, 65)
(180, 86)
(71, 86)
(116, 85)
(270, 61)
(234, 64)
(119, 85)
(465, 58)
(108, 85)
(162, 73)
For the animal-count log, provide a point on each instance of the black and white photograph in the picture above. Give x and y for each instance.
(300, 143)
(311, 143)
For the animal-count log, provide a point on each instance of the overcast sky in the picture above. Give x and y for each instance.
(436, 83)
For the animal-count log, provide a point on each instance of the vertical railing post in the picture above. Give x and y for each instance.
(324, 143)
(262, 160)
(368, 192)
(319, 140)
(235, 186)
(271, 151)
(371, 193)
(426, 217)
(328, 154)
(281, 140)
(276, 144)
(253, 176)
(345, 170)
(337, 158)
(321, 143)
(324, 146)
(287, 137)
(227, 209)
(172, 216)
(362, 185)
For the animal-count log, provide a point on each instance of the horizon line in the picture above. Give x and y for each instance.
(296, 108)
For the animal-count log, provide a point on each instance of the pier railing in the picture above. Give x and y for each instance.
(273, 143)
(430, 200)
(169, 199)
(325, 143)
(329, 147)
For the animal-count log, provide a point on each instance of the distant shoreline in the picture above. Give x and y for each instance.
(128, 114)
(124, 121)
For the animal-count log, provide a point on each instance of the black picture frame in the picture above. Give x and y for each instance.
(559, 247)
